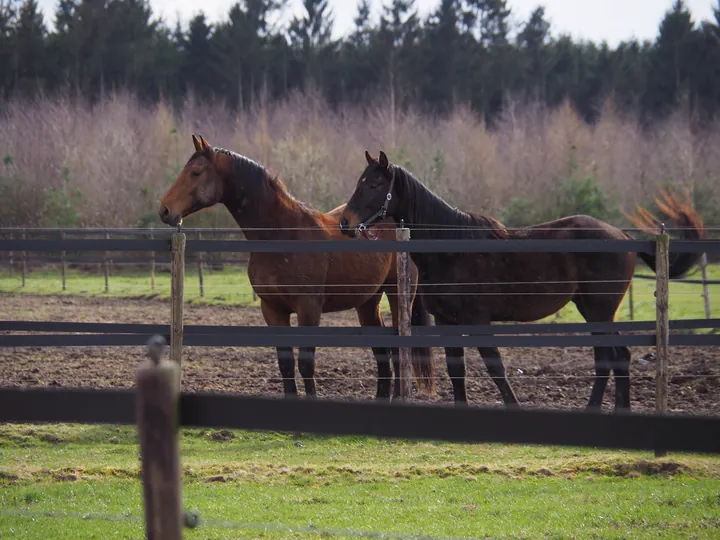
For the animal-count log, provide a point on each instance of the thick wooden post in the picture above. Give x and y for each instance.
(200, 269)
(177, 291)
(157, 402)
(152, 263)
(63, 262)
(106, 264)
(24, 262)
(706, 291)
(662, 328)
(403, 272)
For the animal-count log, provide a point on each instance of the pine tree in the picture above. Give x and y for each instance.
(672, 61)
(311, 36)
(29, 41)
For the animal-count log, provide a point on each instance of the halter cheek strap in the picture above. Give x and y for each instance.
(380, 214)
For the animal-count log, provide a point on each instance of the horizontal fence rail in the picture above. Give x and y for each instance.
(345, 340)
(443, 423)
(494, 329)
(359, 246)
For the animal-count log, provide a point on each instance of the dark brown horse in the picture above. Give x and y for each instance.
(308, 284)
(480, 288)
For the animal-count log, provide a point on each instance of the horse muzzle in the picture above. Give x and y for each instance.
(346, 230)
(169, 219)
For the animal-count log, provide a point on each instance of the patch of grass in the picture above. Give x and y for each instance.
(482, 507)
(77, 481)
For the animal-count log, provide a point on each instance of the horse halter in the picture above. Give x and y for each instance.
(380, 214)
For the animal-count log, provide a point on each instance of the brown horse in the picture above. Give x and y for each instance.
(480, 288)
(308, 284)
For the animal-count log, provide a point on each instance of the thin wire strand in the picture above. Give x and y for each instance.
(414, 226)
(510, 375)
(227, 524)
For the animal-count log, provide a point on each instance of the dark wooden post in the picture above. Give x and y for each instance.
(10, 255)
(63, 262)
(662, 328)
(177, 290)
(631, 303)
(200, 269)
(706, 291)
(106, 264)
(157, 402)
(152, 263)
(402, 233)
(24, 262)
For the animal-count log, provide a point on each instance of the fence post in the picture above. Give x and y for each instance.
(706, 291)
(402, 233)
(24, 262)
(177, 291)
(631, 303)
(152, 263)
(63, 262)
(662, 326)
(107, 265)
(200, 268)
(157, 402)
(10, 255)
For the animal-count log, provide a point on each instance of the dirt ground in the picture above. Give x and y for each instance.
(548, 377)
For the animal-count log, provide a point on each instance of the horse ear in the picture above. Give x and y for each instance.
(197, 143)
(205, 147)
(384, 163)
(369, 158)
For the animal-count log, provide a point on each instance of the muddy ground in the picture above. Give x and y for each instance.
(550, 377)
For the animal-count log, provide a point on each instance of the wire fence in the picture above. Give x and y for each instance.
(660, 432)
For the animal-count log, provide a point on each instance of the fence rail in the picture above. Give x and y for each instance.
(443, 423)
(350, 246)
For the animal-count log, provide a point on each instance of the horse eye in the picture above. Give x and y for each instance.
(195, 173)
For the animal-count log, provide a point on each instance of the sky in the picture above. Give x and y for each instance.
(597, 20)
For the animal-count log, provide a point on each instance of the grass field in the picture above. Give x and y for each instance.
(70, 481)
(232, 287)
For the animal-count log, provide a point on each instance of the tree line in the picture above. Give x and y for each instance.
(463, 52)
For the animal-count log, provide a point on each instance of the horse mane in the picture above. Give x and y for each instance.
(433, 212)
(256, 179)
(678, 208)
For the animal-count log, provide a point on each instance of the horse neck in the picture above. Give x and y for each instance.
(266, 211)
(426, 214)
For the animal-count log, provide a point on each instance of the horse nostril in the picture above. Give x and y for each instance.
(165, 211)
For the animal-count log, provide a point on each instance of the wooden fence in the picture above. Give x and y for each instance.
(158, 405)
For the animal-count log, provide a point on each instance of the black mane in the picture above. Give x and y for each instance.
(431, 217)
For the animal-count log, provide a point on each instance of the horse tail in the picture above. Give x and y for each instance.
(685, 217)
(422, 357)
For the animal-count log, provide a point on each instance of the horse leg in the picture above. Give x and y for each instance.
(455, 360)
(621, 373)
(306, 355)
(285, 355)
(369, 315)
(602, 308)
(392, 296)
(496, 368)
(603, 361)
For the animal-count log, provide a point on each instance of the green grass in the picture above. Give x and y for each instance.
(232, 287)
(69, 481)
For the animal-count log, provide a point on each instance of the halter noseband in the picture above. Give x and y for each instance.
(380, 214)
